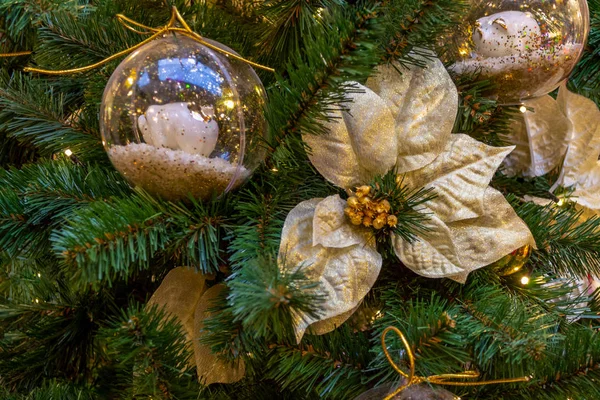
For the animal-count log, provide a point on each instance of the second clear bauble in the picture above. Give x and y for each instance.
(413, 392)
(526, 49)
(180, 119)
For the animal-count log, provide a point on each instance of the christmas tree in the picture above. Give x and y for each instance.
(404, 180)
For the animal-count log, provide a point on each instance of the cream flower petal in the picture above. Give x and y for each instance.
(331, 227)
(584, 143)
(581, 168)
(518, 162)
(541, 132)
(211, 368)
(433, 254)
(424, 102)
(453, 250)
(330, 324)
(178, 294)
(183, 294)
(484, 240)
(587, 194)
(346, 274)
(360, 143)
(459, 176)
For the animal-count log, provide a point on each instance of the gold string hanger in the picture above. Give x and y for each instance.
(443, 379)
(17, 54)
(134, 26)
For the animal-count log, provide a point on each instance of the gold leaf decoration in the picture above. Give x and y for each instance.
(183, 294)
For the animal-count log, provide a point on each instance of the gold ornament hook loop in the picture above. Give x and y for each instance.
(443, 379)
(142, 29)
(130, 24)
(410, 377)
(411, 358)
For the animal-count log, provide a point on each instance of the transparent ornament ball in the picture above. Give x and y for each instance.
(413, 392)
(180, 119)
(526, 49)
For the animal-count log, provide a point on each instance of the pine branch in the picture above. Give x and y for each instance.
(114, 238)
(32, 113)
(519, 186)
(479, 116)
(18, 279)
(14, 153)
(51, 338)
(585, 78)
(22, 17)
(568, 245)
(69, 41)
(108, 239)
(229, 24)
(198, 232)
(428, 325)
(329, 365)
(63, 180)
(276, 297)
(38, 197)
(315, 85)
(507, 335)
(261, 209)
(570, 370)
(150, 355)
(417, 23)
(18, 235)
(226, 336)
(292, 25)
(54, 389)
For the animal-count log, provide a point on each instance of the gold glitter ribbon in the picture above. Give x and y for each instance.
(443, 379)
(155, 33)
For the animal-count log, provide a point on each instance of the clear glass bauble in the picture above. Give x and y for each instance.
(525, 48)
(413, 392)
(179, 119)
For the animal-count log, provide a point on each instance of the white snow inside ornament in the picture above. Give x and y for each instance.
(180, 119)
(401, 123)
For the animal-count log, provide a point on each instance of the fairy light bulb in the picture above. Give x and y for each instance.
(523, 109)
(524, 280)
(68, 152)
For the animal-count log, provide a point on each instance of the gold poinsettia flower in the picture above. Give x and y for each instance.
(399, 122)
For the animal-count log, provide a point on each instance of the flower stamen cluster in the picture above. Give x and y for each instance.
(364, 210)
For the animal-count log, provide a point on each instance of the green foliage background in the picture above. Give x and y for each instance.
(81, 251)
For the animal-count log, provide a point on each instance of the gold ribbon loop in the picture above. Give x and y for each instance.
(443, 379)
(142, 29)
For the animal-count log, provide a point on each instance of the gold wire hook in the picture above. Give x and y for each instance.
(443, 379)
(135, 26)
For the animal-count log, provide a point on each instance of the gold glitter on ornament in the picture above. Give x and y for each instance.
(513, 262)
(363, 318)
